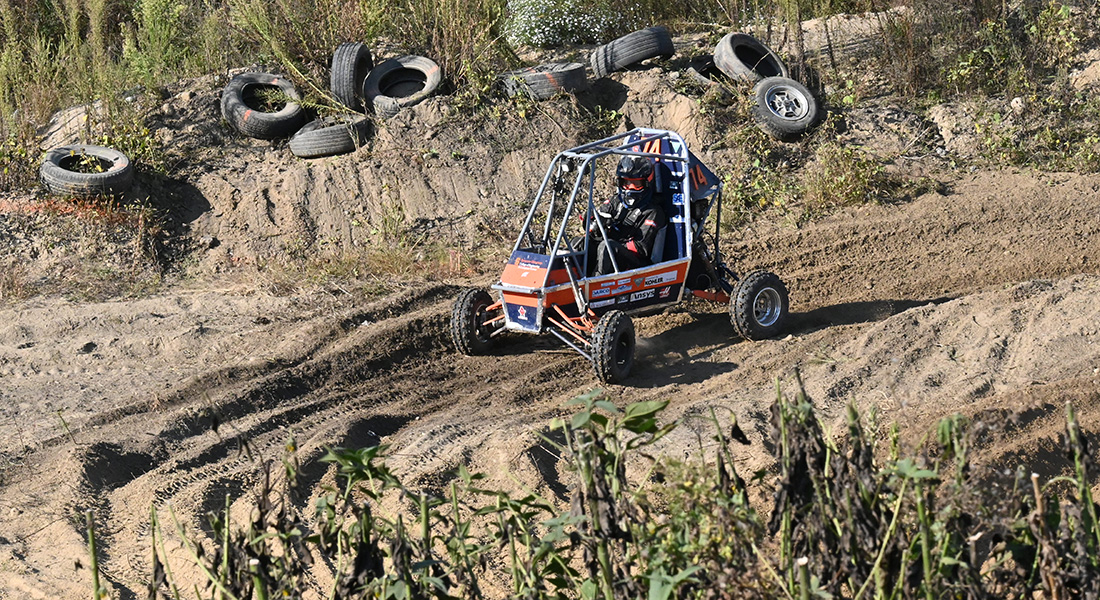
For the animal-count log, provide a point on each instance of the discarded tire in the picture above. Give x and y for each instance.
(630, 49)
(329, 136)
(702, 71)
(759, 305)
(262, 105)
(350, 65)
(741, 56)
(86, 171)
(401, 82)
(543, 81)
(784, 108)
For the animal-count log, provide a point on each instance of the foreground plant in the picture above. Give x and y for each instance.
(850, 519)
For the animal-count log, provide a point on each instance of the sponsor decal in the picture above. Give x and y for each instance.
(624, 299)
(621, 289)
(659, 278)
(607, 302)
(665, 291)
(639, 281)
(530, 266)
(607, 283)
(646, 295)
(601, 292)
(523, 313)
(623, 282)
(678, 199)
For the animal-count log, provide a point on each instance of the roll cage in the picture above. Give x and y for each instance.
(563, 211)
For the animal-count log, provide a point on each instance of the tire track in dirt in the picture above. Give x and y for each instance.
(385, 372)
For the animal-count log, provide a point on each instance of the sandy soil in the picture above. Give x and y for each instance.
(985, 296)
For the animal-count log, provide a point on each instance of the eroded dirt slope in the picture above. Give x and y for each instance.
(985, 297)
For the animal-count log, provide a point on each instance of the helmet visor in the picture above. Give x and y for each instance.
(631, 184)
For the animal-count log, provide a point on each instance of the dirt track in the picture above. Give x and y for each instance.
(985, 297)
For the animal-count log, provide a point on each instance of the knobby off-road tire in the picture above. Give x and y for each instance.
(350, 65)
(630, 49)
(86, 171)
(329, 136)
(759, 305)
(400, 83)
(613, 347)
(243, 109)
(544, 81)
(743, 57)
(784, 108)
(468, 316)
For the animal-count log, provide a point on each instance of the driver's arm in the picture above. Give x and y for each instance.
(606, 212)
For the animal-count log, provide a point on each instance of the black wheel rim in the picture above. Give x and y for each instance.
(481, 330)
(620, 352)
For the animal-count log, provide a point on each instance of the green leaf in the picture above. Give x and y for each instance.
(608, 406)
(640, 416)
(588, 589)
(645, 409)
(580, 420)
(909, 469)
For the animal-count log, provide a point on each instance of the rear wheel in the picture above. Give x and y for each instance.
(469, 331)
(613, 347)
(758, 306)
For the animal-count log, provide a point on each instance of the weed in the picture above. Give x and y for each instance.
(547, 24)
(13, 281)
(155, 46)
(763, 180)
(15, 165)
(850, 519)
(841, 176)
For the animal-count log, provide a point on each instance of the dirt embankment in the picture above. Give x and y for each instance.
(983, 296)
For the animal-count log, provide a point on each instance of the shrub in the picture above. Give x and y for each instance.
(550, 23)
(840, 176)
(850, 519)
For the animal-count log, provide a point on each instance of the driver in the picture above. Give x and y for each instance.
(632, 218)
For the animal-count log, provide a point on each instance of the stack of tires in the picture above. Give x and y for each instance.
(544, 81)
(266, 106)
(782, 107)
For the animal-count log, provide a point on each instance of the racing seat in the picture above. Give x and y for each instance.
(669, 243)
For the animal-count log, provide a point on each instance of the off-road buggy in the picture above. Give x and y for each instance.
(548, 286)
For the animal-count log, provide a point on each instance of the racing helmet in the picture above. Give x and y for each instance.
(635, 174)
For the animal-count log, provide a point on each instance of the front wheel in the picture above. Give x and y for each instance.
(613, 347)
(470, 331)
(758, 305)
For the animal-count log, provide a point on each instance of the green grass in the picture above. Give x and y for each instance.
(854, 515)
